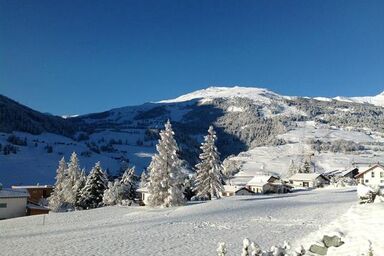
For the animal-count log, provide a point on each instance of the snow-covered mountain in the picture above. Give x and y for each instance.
(259, 95)
(377, 100)
(259, 129)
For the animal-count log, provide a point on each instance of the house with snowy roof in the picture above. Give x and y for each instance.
(264, 184)
(373, 176)
(233, 190)
(308, 180)
(13, 203)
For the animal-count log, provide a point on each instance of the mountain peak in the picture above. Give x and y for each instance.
(212, 92)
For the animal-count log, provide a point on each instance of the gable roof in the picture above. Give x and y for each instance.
(260, 180)
(305, 176)
(370, 169)
(13, 193)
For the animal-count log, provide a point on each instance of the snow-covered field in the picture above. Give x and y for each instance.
(194, 229)
(361, 227)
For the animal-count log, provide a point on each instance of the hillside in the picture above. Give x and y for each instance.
(261, 130)
(194, 229)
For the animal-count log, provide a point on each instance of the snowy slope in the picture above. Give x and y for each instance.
(189, 230)
(276, 159)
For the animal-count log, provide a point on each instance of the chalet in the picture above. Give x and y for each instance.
(373, 176)
(38, 196)
(36, 192)
(263, 184)
(13, 203)
(232, 190)
(308, 180)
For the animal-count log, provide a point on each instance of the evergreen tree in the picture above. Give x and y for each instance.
(73, 174)
(129, 184)
(292, 169)
(79, 185)
(91, 195)
(165, 183)
(209, 178)
(143, 179)
(56, 200)
(306, 168)
(114, 194)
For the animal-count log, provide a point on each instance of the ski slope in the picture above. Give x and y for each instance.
(194, 229)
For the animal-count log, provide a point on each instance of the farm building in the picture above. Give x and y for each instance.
(13, 203)
(308, 180)
(373, 176)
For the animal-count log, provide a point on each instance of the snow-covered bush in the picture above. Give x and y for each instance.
(221, 249)
(366, 194)
(342, 182)
(253, 249)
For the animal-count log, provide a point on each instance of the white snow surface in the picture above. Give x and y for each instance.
(263, 95)
(359, 227)
(194, 229)
(260, 95)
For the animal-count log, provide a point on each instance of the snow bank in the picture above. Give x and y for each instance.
(360, 228)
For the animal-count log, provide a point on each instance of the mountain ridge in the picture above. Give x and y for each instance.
(248, 120)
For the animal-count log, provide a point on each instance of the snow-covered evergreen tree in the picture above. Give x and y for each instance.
(73, 175)
(91, 195)
(56, 200)
(209, 178)
(129, 184)
(292, 169)
(143, 179)
(79, 185)
(165, 182)
(306, 168)
(114, 194)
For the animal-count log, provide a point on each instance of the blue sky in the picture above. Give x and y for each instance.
(75, 57)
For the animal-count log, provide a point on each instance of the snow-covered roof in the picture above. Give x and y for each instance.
(32, 186)
(345, 172)
(370, 169)
(259, 180)
(143, 190)
(232, 188)
(13, 193)
(37, 207)
(305, 176)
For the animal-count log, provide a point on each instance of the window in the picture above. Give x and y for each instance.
(366, 181)
(373, 174)
(3, 205)
(381, 174)
(381, 181)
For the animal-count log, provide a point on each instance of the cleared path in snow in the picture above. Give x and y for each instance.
(190, 230)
